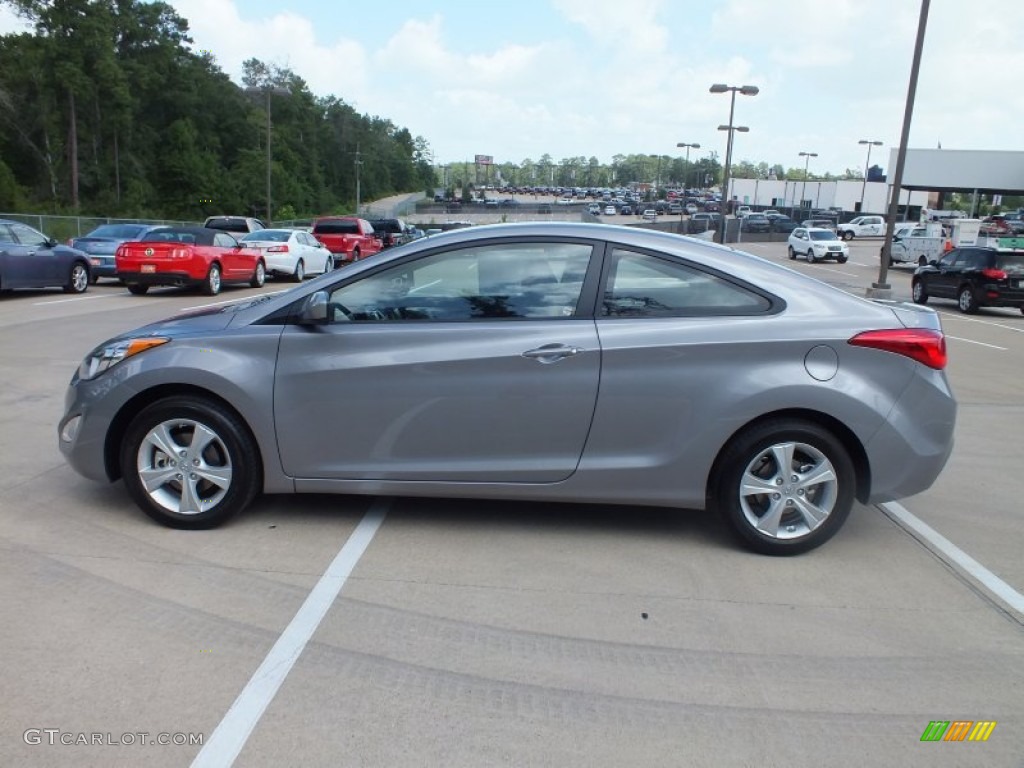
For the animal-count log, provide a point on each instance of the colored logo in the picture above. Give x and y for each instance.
(958, 730)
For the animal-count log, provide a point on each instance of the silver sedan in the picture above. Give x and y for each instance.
(570, 362)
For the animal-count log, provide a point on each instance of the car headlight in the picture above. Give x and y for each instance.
(108, 355)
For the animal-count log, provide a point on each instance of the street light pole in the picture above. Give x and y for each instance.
(882, 289)
(686, 168)
(807, 162)
(867, 162)
(746, 90)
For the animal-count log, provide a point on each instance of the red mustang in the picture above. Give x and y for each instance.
(193, 256)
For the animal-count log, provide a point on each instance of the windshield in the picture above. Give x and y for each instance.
(822, 235)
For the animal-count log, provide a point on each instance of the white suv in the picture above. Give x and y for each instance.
(813, 244)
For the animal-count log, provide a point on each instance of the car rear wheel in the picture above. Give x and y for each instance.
(918, 292)
(966, 300)
(922, 261)
(188, 463)
(300, 272)
(211, 286)
(785, 486)
(355, 255)
(810, 256)
(78, 279)
(137, 290)
(259, 275)
(792, 253)
(847, 235)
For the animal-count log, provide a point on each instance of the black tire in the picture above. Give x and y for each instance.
(231, 456)
(966, 301)
(259, 275)
(811, 450)
(138, 290)
(355, 255)
(300, 272)
(211, 285)
(918, 292)
(792, 253)
(78, 278)
(93, 279)
(847, 235)
(922, 261)
(841, 259)
(810, 256)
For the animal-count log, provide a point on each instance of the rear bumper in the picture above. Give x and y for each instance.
(158, 278)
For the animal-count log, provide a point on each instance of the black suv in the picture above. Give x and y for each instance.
(390, 231)
(974, 277)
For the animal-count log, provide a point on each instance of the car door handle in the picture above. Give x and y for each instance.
(551, 353)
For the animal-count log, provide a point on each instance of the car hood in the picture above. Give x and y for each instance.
(194, 322)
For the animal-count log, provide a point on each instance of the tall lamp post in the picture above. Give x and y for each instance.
(864, 186)
(746, 90)
(686, 168)
(807, 162)
(268, 90)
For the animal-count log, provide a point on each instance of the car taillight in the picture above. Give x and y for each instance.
(180, 253)
(993, 274)
(277, 249)
(921, 344)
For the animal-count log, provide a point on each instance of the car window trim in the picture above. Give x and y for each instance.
(585, 306)
(776, 304)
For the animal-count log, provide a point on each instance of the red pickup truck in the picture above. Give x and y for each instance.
(348, 238)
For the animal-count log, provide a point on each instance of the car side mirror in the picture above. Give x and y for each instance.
(50, 242)
(314, 309)
(933, 263)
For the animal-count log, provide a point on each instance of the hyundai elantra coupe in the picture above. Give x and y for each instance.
(569, 362)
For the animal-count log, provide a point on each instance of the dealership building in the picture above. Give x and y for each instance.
(928, 176)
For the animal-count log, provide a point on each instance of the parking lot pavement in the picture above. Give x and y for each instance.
(479, 633)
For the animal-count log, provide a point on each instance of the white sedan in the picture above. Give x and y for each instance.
(291, 252)
(813, 244)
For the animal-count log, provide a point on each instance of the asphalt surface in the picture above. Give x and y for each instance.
(483, 633)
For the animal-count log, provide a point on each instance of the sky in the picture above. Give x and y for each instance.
(596, 78)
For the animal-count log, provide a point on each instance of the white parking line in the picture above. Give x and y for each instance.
(979, 343)
(961, 316)
(78, 298)
(996, 587)
(228, 738)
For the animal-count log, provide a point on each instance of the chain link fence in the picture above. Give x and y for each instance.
(62, 228)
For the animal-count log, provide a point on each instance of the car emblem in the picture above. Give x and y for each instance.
(149, 251)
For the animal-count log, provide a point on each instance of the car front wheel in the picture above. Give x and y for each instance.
(189, 463)
(785, 486)
(847, 235)
(78, 279)
(792, 253)
(810, 256)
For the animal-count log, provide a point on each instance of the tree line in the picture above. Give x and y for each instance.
(661, 170)
(105, 109)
